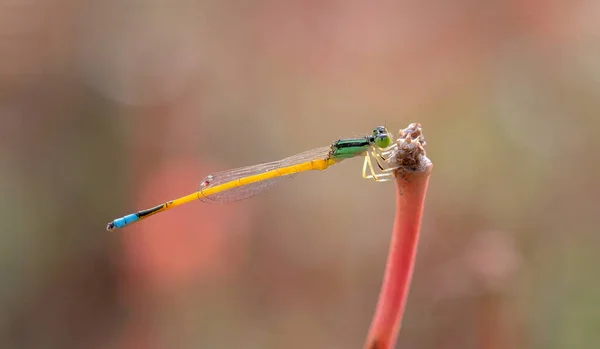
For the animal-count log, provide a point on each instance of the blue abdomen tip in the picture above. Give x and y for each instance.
(122, 222)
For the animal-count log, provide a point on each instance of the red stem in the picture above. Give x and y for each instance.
(410, 195)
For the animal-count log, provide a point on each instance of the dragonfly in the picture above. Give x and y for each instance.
(245, 182)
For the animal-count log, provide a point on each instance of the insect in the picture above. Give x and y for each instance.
(245, 182)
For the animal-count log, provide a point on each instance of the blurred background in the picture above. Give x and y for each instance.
(107, 107)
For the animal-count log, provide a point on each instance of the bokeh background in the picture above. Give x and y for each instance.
(107, 107)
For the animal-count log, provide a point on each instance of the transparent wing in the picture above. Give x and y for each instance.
(249, 190)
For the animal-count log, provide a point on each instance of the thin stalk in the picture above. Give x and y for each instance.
(411, 177)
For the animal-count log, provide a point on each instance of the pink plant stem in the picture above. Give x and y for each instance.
(411, 187)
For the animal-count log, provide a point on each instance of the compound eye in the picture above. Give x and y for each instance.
(379, 130)
(383, 140)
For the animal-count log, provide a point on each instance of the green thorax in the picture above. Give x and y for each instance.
(349, 148)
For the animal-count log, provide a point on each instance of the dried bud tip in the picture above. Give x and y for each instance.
(410, 149)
